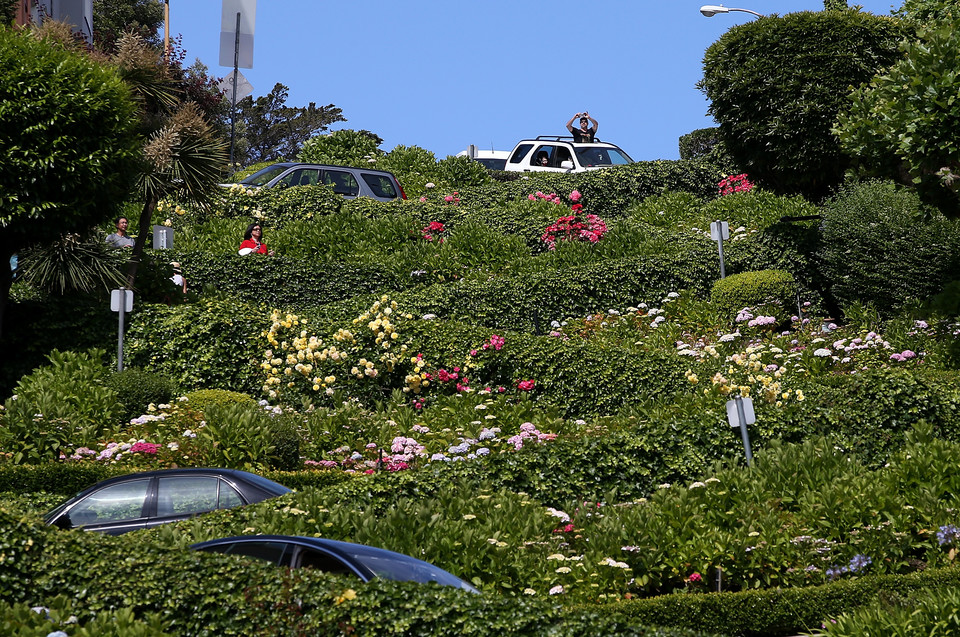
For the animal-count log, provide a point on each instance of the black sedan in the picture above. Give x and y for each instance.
(333, 556)
(144, 500)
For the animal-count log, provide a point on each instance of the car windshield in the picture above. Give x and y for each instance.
(395, 566)
(261, 177)
(602, 156)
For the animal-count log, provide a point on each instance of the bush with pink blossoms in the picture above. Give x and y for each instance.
(575, 227)
(734, 184)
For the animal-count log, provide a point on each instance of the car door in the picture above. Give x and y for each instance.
(545, 158)
(342, 181)
(182, 497)
(114, 509)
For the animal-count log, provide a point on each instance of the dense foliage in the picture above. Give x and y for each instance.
(777, 84)
(67, 123)
(904, 124)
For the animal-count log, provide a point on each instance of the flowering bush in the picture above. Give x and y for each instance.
(433, 231)
(734, 183)
(575, 227)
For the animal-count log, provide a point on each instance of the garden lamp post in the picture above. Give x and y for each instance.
(710, 10)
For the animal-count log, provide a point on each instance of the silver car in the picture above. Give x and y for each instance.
(345, 180)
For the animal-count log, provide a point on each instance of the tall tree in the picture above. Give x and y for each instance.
(68, 144)
(113, 18)
(271, 130)
(182, 155)
(905, 123)
(777, 84)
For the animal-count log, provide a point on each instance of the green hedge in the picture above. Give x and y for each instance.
(876, 250)
(210, 594)
(609, 192)
(772, 613)
(283, 281)
(210, 344)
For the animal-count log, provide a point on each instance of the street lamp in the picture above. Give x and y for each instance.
(710, 10)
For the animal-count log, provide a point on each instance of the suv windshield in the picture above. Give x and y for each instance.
(601, 156)
(261, 177)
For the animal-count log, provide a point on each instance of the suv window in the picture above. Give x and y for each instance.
(601, 157)
(343, 183)
(520, 153)
(544, 151)
(300, 177)
(381, 185)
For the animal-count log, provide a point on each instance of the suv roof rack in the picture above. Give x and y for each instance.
(565, 138)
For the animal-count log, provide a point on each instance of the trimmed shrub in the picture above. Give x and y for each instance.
(781, 612)
(871, 413)
(22, 620)
(778, 130)
(877, 250)
(136, 389)
(198, 345)
(64, 403)
(609, 192)
(752, 289)
(205, 399)
(23, 541)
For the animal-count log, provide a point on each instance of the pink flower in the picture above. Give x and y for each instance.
(575, 196)
(695, 578)
(448, 198)
(422, 199)
(532, 197)
(526, 385)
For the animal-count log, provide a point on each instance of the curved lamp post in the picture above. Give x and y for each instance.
(710, 10)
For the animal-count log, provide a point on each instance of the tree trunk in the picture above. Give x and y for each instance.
(143, 230)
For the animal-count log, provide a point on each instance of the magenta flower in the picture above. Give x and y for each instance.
(575, 196)
(526, 385)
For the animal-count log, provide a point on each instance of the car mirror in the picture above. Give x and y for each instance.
(566, 165)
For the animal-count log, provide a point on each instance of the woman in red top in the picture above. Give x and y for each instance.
(252, 241)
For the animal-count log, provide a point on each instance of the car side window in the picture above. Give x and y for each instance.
(381, 185)
(229, 498)
(186, 495)
(520, 153)
(544, 156)
(563, 154)
(343, 182)
(116, 503)
(323, 562)
(269, 551)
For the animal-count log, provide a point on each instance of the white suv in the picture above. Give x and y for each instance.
(557, 154)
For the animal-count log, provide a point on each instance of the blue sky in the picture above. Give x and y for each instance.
(442, 75)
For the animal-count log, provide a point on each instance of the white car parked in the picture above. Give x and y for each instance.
(558, 154)
(490, 159)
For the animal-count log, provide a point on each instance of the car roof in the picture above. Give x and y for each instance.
(348, 551)
(236, 474)
(301, 164)
(566, 139)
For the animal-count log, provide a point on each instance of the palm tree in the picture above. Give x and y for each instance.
(182, 155)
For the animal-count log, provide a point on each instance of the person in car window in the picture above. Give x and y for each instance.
(543, 159)
(253, 241)
(586, 132)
